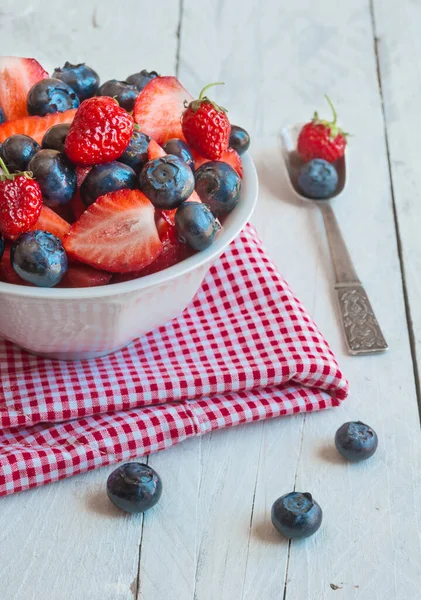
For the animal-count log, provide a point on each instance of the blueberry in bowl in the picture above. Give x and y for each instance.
(196, 225)
(318, 179)
(239, 139)
(134, 487)
(18, 150)
(81, 78)
(56, 176)
(166, 181)
(1, 246)
(219, 186)
(106, 178)
(136, 153)
(356, 441)
(296, 515)
(141, 79)
(180, 149)
(38, 257)
(55, 137)
(123, 92)
(51, 96)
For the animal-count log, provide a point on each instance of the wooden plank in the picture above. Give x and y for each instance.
(66, 540)
(277, 62)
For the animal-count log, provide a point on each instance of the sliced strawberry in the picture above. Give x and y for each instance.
(158, 109)
(77, 205)
(81, 173)
(79, 276)
(52, 222)
(230, 156)
(7, 274)
(35, 127)
(155, 150)
(117, 233)
(17, 76)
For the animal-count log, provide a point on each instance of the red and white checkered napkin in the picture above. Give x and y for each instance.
(244, 350)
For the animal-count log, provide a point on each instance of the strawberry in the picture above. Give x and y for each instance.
(7, 274)
(50, 221)
(17, 76)
(158, 109)
(117, 233)
(155, 150)
(206, 126)
(20, 202)
(78, 206)
(78, 276)
(322, 139)
(99, 133)
(35, 127)
(230, 156)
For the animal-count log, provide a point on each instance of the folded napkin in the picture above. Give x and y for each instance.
(244, 350)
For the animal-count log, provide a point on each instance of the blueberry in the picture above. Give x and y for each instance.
(196, 225)
(55, 175)
(2, 116)
(296, 515)
(55, 137)
(51, 96)
(239, 139)
(318, 179)
(218, 186)
(134, 487)
(356, 441)
(1, 246)
(141, 79)
(17, 151)
(123, 92)
(39, 258)
(136, 153)
(82, 79)
(166, 181)
(180, 149)
(102, 179)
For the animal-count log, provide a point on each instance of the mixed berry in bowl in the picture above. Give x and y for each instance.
(103, 183)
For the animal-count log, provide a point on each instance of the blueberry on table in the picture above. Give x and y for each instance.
(141, 79)
(239, 139)
(196, 225)
(81, 78)
(2, 116)
(136, 153)
(218, 186)
(356, 441)
(134, 487)
(17, 151)
(166, 181)
(39, 258)
(180, 149)
(1, 246)
(56, 176)
(51, 96)
(55, 137)
(318, 179)
(123, 92)
(296, 515)
(106, 178)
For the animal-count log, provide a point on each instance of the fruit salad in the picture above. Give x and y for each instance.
(105, 182)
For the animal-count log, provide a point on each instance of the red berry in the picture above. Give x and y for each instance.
(35, 126)
(20, 202)
(99, 133)
(84, 276)
(322, 139)
(17, 76)
(49, 220)
(206, 126)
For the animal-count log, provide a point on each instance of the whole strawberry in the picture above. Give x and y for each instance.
(99, 133)
(322, 139)
(206, 126)
(20, 202)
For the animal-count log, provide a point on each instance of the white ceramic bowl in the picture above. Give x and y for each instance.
(83, 323)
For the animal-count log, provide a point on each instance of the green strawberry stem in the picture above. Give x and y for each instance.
(195, 105)
(202, 93)
(7, 175)
(331, 125)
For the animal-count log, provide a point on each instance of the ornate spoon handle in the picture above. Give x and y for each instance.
(362, 330)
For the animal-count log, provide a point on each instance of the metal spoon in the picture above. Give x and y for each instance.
(361, 328)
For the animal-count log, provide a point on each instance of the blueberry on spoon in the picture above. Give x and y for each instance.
(134, 487)
(356, 441)
(296, 515)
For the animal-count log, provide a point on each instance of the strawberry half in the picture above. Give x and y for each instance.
(78, 276)
(155, 150)
(35, 127)
(158, 109)
(230, 156)
(17, 76)
(7, 274)
(50, 221)
(117, 233)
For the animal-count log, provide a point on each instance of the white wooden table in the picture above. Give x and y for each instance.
(210, 538)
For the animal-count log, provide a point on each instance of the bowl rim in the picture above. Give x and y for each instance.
(233, 225)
